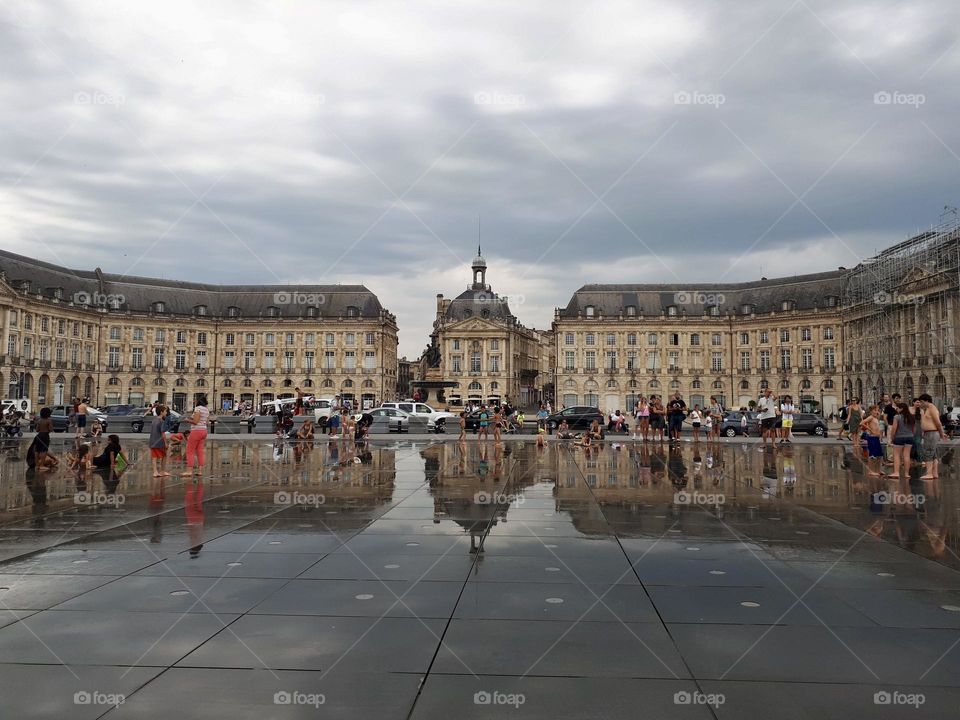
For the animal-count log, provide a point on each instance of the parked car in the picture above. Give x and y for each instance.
(810, 423)
(397, 420)
(127, 418)
(322, 407)
(60, 415)
(578, 417)
(730, 426)
(436, 419)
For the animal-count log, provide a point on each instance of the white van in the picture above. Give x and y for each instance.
(322, 408)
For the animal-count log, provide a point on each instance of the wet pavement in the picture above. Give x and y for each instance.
(426, 579)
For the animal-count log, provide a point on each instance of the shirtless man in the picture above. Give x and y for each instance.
(932, 430)
(870, 427)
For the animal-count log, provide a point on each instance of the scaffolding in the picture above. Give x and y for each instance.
(900, 317)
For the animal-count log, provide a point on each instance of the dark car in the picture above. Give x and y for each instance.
(730, 426)
(60, 416)
(810, 423)
(578, 417)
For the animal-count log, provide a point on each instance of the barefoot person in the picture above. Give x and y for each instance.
(932, 430)
(870, 427)
(901, 439)
(158, 443)
(196, 440)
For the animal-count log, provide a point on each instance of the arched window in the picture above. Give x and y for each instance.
(631, 310)
(159, 307)
(764, 384)
(612, 384)
(228, 383)
(696, 384)
(272, 311)
(136, 382)
(368, 383)
(494, 385)
(717, 385)
(200, 382)
(180, 382)
(828, 384)
(353, 311)
(348, 383)
(308, 383)
(268, 383)
(233, 311)
(784, 384)
(113, 381)
(328, 383)
(288, 382)
(744, 384)
(200, 310)
(247, 383)
(475, 386)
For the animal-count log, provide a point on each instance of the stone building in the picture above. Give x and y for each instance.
(479, 351)
(615, 343)
(119, 339)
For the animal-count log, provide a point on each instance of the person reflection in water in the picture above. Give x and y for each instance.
(193, 508)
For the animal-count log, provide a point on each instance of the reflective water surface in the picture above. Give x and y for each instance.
(408, 579)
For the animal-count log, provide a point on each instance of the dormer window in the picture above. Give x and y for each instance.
(273, 311)
(200, 310)
(233, 311)
(713, 310)
(831, 300)
(159, 307)
(746, 309)
(57, 293)
(786, 305)
(353, 311)
(672, 310)
(631, 310)
(25, 286)
(312, 311)
(113, 302)
(589, 311)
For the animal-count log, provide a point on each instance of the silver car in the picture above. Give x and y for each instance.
(397, 420)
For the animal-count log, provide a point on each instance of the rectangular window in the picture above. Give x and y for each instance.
(159, 336)
(249, 361)
(88, 355)
(288, 360)
(13, 318)
(229, 360)
(494, 344)
(673, 360)
(764, 337)
(829, 360)
(137, 358)
(764, 360)
(75, 353)
(474, 362)
(159, 357)
(349, 339)
(610, 363)
(591, 360)
(456, 344)
(268, 359)
(269, 339)
(249, 339)
(329, 360)
(828, 333)
(368, 338)
(201, 359)
(181, 336)
(494, 363)
(456, 363)
(201, 338)
(695, 339)
(652, 339)
(744, 338)
(569, 361)
(744, 360)
(328, 339)
(653, 361)
(138, 334)
(784, 335)
(591, 339)
(180, 359)
(350, 360)
(27, 321)
(632, 360)
(114, 333)
(631, 338)
(61, 327)
(369, 360)
(44, 324)
(28, 349)
(310, 339)
(806, 359)
(674, 338)
(288, 339)
(784, 358)
(230, 339)
(568, 339)
(76, 329)
(113, 356)
(696, 361)
(44, 350)
(611, 339)
(806, 334)
(716, 340)
(716, 361)
(308, 359)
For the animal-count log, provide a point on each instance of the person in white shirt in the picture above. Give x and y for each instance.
(787, 409)
(768, 416)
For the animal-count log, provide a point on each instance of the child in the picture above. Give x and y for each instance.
(743, 425)
(79, 459)
(96, 429)
(158, 443)
(708, 424)
(541, 436)
(463, 427)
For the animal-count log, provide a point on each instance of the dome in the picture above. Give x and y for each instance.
(478, 261)
(478, 303)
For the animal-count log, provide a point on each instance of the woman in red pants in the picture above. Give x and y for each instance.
(197, 438)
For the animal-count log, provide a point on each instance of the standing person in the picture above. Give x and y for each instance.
(658, 415)
(40, 446)
(483, 422)
(463, 427)
(158, 443)
(677, 410)
(542, 416)
(81, 411)
(716, 417)
(196, 440)
(767, 406)
(298, 403)
(854, 418)
(932, 430)
(787, 409)
(497, 422)
(870, 425)
(844, 419)
(695, 418)
(744, 425)
(901, 432)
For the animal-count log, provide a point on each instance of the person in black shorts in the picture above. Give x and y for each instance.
(677, 411)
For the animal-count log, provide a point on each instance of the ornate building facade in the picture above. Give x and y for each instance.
(615, 343)
(117, 339)
(479, 352)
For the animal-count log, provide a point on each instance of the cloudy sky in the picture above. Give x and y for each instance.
(360, 141)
